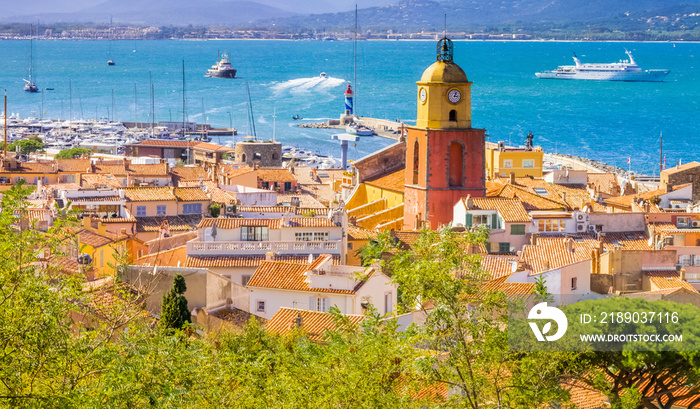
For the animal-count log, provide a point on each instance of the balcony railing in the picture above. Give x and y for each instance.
(224, 248)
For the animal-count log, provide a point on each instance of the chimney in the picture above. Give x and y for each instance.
(201, 181)
(270, 256)
(545, 265)
(298, 321)
(101, 228)
(570, 245)
(533, 239)
(682, 273)
(563, 196)
(86, 222)
(469, 202)
(512, 178)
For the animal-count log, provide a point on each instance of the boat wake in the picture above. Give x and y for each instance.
(304, 85)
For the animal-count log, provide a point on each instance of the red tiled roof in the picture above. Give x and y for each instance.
(511, 210)
(190, 194)
(498, 266)
(286, 276)
(148, 194)
(313, 323)
(74, 165)
(228, 223)
(245, 261)
(276, 175)
(176, 223)
(394, 181)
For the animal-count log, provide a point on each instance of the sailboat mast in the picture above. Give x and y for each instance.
(661, 154)
(184, 112)
(251, 117)
(354, 64)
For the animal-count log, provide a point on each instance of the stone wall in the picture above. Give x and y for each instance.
(382, 162)
(681, 177)
(266, 154)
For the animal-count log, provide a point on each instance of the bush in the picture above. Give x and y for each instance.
(73, 153)
(215, 209)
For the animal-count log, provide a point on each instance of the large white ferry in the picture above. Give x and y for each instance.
(222, 69)
(624, 70)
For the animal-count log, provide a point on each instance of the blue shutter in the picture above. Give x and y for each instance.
(197, 208)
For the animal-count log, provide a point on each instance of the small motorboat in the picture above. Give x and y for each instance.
(358, 129)
(323, 75)
(110, 62)
(296, 117)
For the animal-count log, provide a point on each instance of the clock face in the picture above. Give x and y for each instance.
(423, 95)
(454, 96)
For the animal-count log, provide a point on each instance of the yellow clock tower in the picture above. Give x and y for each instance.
(444, 154)
(444, 94)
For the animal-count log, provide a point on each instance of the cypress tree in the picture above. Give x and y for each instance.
(174, 311)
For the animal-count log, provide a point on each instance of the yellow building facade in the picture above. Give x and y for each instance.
(501, 162)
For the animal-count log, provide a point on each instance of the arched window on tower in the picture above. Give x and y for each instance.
(416, 162)
(453, 115)
(456, 161)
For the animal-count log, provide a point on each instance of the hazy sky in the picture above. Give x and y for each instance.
(14, 8)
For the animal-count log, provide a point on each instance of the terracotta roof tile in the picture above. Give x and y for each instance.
(151, 169)
(359, 233)
(116, 170)
(276, 175)
(189, 173)
(31, 167)
(667, 279)
(318, 211)
(310, 222)
(305, 200)
(511, 210)
(232, 171)
(681, 168)
(245, 261)
(498, 266)
(321, 192)
(394, 181)
(74, 165)
(148, 194)
(510, 289)
(95, 239)
(94, 180)
(313, 323)
(191, 194)
(286, 276)
(176, 223)
(605, 182)
(228, 223)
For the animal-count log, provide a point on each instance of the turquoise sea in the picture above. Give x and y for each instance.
(607, 121)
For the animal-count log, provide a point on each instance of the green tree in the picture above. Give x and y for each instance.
(73, 153)
(174, 312)
(27, 146)
(467, 326)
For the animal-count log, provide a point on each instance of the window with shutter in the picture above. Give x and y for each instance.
(468, 220)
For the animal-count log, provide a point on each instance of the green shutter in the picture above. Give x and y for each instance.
(468, 221)
(488, 246)
(494, 221)
(503, 247)
(517, 229)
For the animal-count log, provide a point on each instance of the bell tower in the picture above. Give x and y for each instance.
(444, 154)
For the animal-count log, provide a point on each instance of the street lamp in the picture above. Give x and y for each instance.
(171, 114)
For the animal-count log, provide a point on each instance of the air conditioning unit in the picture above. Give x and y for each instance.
(230, 209)
(591, 229)
(580, 227)
(580, 217)
(696, 224)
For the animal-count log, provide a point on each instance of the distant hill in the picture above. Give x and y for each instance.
(165, 12)
(402, 15)
(481, 14)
